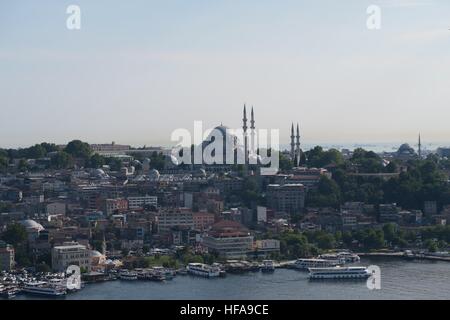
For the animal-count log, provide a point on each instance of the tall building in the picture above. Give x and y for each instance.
(229, 239)
(112, 206)
(138, 202)
(70, 253)
(170, 218)
(288, 198)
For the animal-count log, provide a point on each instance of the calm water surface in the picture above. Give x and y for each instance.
(399, 280)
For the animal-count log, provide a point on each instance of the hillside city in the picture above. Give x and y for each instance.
(117, 206)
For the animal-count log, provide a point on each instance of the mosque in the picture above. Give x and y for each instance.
(244, 147)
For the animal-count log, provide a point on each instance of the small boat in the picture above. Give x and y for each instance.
(268, 266)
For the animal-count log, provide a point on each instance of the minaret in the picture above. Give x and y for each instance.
(420, 148)
(292, 143)
(244, 128)
(297, 147)
(252, 134)
(104, 245)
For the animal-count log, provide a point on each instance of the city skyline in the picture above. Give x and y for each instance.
(131, 71)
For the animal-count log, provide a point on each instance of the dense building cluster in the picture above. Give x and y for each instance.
(112, 201)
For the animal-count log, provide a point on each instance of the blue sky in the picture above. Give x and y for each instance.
(137, 70)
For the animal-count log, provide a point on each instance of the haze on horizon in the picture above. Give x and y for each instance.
(138, 70)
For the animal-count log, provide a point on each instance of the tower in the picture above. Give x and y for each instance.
(252, 133)
(420, 148)
(244, 128)
(104, 245)
(297, 147)
(292, 143)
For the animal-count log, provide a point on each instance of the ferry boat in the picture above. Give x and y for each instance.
(127, 275)
(203, 270)
(339, 273)
(343, 257)
(268, 266)
(305, 264)
(44, 288)
(163, 273)
(9, 292)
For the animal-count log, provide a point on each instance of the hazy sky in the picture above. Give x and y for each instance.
(137, 70)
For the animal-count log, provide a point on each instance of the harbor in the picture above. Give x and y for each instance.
(342, 266)
(400, 279)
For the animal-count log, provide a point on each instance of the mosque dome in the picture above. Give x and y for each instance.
(405, 149)
(95, 254)
(32, 225)
(173, 159)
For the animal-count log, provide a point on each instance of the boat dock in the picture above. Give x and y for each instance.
(402, 255)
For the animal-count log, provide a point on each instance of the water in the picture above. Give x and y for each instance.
(400, 279)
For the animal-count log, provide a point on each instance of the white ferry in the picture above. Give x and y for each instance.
(9, 292)
(305, 264)
(268, 266)
(343, 257)
(44, 288)
(203, 270)
(127, 275)
(339, 273)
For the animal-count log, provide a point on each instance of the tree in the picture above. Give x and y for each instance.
(78, 149)
(3, 164)
(34, 152)
(389, 231)
(15, 234)
(319, 158)
(61, 160)
(374, 239)
(284, 162)
(43, 267)
(23, 165)
(96, 161)
(328, 194)
(431, 245)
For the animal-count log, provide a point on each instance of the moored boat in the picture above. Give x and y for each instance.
(203, 270)
(45, 289)
(129, 276)
(10, 292)
(342, 257)
(305, 264)
(268, 266)
(339, 273)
